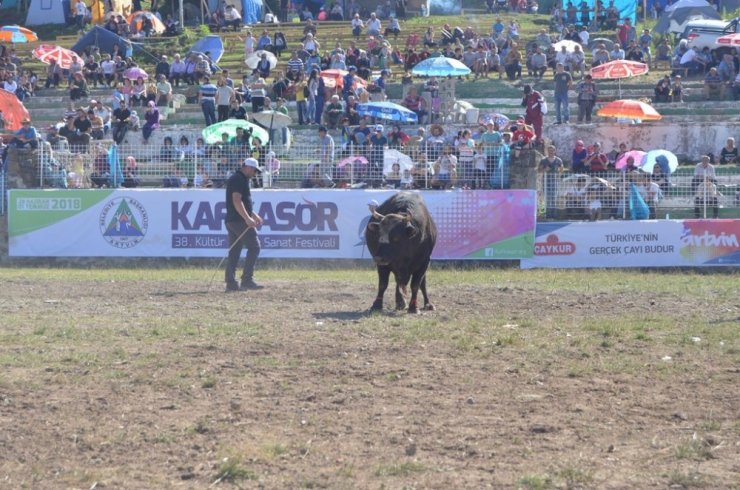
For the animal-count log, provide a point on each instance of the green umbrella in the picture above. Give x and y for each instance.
(212, 134)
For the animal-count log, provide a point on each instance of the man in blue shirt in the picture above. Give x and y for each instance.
(26, 136)
(207, 99)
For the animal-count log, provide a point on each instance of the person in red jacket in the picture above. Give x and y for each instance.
(533, 101)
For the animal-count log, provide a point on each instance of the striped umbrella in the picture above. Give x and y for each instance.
(17, 34)
(48, 52)
(619, 69)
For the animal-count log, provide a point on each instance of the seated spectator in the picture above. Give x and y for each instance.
(100, 175)
(729, 154)
(373, 25)
(357, 26)
(537, 63)
(706, 199)
(575, 198)
(712, 85)
(513, 63)
(232, 18)
(414, 102)
(131, 173)
(617, 53)
(78, 89)
(663, 90)
(177, 71)
(663, 54)
(97, 126)
(120, 122)
(393, 28)
(576, 61)
(334, 111)
(151, 116)
(25, 137)
(677, 89)
(279, 43)
(600, 56)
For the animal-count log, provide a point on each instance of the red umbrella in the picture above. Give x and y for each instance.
(13, 111)
(629, 109)
(335, 78)
(729, 40)
(619, 69)
(48, 52)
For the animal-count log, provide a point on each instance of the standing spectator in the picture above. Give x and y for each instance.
(80, 14)
(224, 94)
(703, 172)
(596, 160)
(119, 126)
(578, 158)
(207, 100)
(378, 142)
(312, 85)
(587, 94)
(533, 101)
(551, 167)
(563, 83)
(301, 92)
(326, 156)
(151, 116)
(626, 33)
(645, 42)
(249, 43)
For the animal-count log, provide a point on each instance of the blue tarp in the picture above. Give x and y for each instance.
(252, 10)
(627, 9)
(105, 40)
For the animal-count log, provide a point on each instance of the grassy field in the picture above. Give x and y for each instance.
(149, 378)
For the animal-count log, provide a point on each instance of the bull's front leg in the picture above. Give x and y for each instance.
(401, 281)
(384, 274)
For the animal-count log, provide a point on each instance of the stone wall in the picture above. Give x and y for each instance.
(689, 141)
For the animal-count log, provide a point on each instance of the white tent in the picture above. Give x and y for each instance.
(45, 12)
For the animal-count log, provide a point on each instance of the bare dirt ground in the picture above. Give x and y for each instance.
(155, 383)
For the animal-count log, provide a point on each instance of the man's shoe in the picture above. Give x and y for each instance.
(231, 287)
(250, 284)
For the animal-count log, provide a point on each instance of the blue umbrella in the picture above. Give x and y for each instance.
(387, 110)
(440, 67)
(667, 161)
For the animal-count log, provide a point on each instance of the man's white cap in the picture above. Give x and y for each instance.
(251, 162)
(379, 127)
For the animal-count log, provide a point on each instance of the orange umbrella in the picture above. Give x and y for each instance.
(729, 40)
(619, 69)
(47, 52)
(13, 110)
(629, 109)
(335, 78)
(17, 34)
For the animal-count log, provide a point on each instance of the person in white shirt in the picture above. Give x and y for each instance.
(688, 61)
(10, 86)
(224, 94)
(80, 14)
(373, 25)
(249, 43)
(617, 53)
(357, 26)
(584, 35)
(562, 56)
(108, 66)
(232, 18)
(178, 71)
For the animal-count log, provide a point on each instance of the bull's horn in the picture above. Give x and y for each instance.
(377, 215)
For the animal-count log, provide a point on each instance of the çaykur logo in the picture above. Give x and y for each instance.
(123, 222)
(553, 246)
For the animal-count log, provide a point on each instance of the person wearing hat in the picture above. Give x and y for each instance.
(241, 224)
(26, 136)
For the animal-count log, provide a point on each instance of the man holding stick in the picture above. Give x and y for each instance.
(241, 224)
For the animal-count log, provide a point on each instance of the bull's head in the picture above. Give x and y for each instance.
(394, 231)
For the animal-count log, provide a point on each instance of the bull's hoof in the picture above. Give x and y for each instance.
(429, 307)
(377, 306)
(413, 310)
(401, 306)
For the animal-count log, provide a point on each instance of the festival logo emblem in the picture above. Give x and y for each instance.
(123, 222)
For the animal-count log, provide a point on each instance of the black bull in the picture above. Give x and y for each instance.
(401, 236)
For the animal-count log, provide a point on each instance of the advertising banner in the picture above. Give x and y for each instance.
(664, 243)
(306, 223)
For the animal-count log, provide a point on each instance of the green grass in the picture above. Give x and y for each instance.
(400, 469)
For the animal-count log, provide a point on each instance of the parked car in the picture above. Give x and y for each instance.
(704, 33)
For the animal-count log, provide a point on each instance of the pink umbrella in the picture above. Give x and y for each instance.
(48, 52)
(636, 155)
(135, 73)
(354, 160)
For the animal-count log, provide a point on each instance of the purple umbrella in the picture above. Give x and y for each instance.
(135, 73)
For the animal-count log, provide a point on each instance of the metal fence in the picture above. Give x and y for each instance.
(607, 195)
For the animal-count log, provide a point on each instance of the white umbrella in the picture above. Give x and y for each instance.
(273, 119)
(687, 4)
(254, 58)
(394, 156)
(570, 46)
